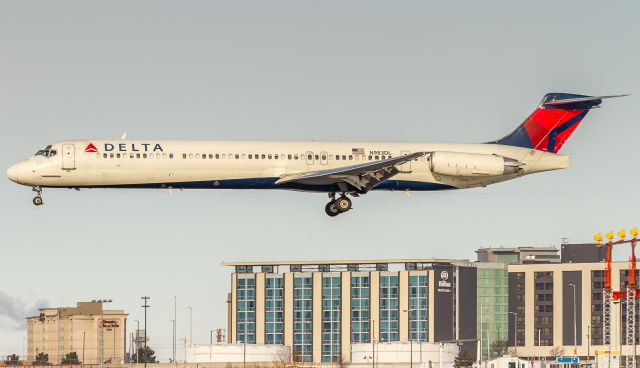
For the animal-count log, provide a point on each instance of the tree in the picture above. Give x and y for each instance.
(463, 360)
(71, 358)
(41, 359)
(13, 360)
(146, 355)
(282, 359)
(498, 348)
(557, 351)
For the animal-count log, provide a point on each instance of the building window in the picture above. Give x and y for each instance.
(419, 308)
(302, 319)
(274, 310)
(543, 309)
(246, 310)
(360, 311)
(331, 319)
(624, 283)
(597, 284)
(492, 307)
(389, 308)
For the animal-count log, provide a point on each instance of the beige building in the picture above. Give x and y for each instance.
(92, 332)
(321, 309)
(541, 296)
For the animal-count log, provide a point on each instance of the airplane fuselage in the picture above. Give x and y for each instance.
(254, 164)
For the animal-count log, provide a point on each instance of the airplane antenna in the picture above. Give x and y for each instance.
(124, 135)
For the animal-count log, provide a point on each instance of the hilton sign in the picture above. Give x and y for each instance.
(444, 286)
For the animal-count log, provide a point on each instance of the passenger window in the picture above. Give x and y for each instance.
(224, 155)
(377, 157)
(337, 157)
(244, 156)
(250, 156)
(295, 157)
(309, 157)
(350, 157)
(211, 156)
(276, 156)
(104, 155)
(170, 155)
(117, 155)
(269, 157)
(317, 157)
(330, 157)
(111, 155)
(144, 155)
(282, 156)
(357, 157)
(383, 157)
(197, 155)
(191, 155)
(217, 156)
(324, 157)
(344, 157)
(131, 155)
(137, 155)
(164, 155)
(289, 157)
(237, 156)
(370, 157)
(264, 156)
(204, 156)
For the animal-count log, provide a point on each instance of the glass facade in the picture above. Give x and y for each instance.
(302, 319)
(246, 310)
(493, 307)
(543, 308)
(389, 308)
(360, 311)
(419, 308)
(597, 285)
(274, 310)
(331, 319)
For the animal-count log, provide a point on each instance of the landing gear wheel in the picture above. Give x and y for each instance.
(343, 204)
(37, 200)
(331, 209)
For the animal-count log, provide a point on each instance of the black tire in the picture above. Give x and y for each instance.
(37, 201)
(331, 209)
(343, 204)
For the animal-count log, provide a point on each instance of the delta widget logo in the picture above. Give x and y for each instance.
(91, 148)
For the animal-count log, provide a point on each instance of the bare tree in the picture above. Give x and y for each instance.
(283, 359)
(556, 351)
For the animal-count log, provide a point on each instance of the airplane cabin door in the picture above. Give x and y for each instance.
(324, 158)
(309, 157)
(406, 167)
(68, 157)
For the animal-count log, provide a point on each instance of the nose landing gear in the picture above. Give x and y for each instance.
(37, 200)
(337, 206)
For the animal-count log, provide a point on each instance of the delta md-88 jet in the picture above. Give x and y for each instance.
(340, 169)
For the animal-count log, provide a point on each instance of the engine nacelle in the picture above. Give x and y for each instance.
(472, 164)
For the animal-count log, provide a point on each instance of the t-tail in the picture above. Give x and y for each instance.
(552, 123)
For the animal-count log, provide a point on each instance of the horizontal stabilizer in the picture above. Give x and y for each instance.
(584, 102)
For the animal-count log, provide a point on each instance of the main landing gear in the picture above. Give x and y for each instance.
(337, 206)
(37, 200)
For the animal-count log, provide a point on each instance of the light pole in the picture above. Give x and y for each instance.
(408, 311)
(190, 326)
(84, 333)
(173, 331)
(102, 303)
(575, 329)
(145, 306)
(515, 332)
(588, 343)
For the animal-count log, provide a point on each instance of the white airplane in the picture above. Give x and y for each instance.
(337, 168)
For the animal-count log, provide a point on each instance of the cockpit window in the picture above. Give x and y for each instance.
(47, 152)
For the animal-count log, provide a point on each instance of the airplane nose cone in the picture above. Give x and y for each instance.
(12, 173)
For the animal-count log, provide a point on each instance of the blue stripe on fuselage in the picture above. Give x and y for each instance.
(269, 183)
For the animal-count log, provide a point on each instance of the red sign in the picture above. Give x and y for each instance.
(110, 323)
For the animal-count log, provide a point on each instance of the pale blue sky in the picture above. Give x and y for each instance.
(358, 70)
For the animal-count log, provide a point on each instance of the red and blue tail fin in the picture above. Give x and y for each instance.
(551, 124)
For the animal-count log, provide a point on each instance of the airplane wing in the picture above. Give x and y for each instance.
(362, 177)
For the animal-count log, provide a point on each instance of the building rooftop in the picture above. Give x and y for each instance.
(348, 262)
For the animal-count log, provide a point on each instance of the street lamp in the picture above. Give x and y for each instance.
(515, 332)
(138, 341)
(408, 311)
(190, 326)
(575, 334)
(102, 303)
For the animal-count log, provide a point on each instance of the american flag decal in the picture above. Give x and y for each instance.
(357, 151)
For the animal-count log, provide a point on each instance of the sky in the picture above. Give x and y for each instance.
(428, 71)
